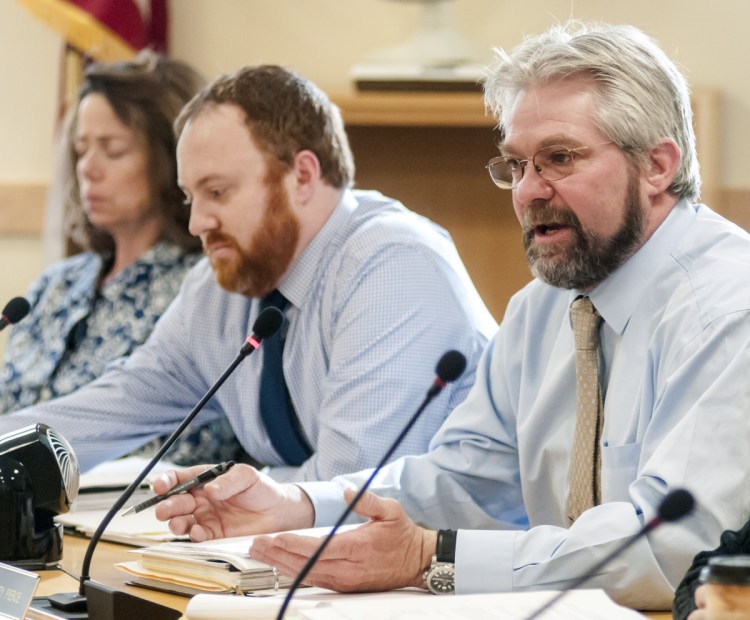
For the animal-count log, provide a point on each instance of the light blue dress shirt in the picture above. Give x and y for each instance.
(376, 298)
(676, 353)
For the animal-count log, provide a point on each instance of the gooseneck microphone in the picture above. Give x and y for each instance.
(449, 368)
(675, 505)
(16, 309)
(267, 324)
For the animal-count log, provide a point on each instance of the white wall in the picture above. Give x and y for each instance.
(323, 38)
(21, 260)
(28, 66)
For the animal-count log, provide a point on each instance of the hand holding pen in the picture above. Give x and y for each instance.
(184, 487)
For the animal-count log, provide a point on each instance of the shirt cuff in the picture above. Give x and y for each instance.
(327, 499)
(484, 561)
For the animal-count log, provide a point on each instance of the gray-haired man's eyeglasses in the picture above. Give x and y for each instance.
(552, 163)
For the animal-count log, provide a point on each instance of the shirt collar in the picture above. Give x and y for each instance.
(617, 297)
(298, 281)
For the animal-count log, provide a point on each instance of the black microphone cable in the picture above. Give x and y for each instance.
(449, 368)
(675, 505)
(268, 323)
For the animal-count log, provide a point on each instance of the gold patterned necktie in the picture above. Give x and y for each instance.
(585, 465)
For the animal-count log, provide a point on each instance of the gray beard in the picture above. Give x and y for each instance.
(591, 259)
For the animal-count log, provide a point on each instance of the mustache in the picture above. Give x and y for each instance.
(544, 215)
(218, 237)
(541, 214)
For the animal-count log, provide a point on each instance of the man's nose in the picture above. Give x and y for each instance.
(532, 186)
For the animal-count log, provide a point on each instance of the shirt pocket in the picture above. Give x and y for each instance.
(619, 467)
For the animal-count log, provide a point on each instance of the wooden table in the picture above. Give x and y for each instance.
(104, 571)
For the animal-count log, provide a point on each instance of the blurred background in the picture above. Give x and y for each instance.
(427, 149)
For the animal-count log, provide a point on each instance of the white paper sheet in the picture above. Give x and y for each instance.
(317, 604)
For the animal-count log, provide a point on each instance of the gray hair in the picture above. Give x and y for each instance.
(641, 98)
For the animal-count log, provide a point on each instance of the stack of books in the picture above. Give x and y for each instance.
(222, 565)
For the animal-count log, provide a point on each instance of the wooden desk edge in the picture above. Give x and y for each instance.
(103, 571)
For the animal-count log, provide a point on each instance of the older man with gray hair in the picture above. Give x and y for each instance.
(617, 375)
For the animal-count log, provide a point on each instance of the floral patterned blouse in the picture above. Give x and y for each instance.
(74, 330)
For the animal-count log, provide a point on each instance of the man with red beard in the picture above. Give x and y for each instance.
(570, 439)
(373, 295)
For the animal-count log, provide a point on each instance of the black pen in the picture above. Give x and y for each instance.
(199, 480)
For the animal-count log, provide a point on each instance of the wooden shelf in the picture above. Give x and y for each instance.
(413, 109)
(429, 149)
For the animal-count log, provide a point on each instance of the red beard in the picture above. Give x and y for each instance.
(257, 270)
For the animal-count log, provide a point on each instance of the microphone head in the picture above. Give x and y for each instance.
(268, 322)
(16, 309)
(451, 366)
(676, 504)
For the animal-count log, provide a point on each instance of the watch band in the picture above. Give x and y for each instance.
(445, 550)
(440, 576)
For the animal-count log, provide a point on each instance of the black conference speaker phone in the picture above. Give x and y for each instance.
(38, 479)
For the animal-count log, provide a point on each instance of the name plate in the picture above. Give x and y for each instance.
(17, 588)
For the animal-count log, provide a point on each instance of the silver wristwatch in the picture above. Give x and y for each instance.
(440, 576)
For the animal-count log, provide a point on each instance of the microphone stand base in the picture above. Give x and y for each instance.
(100, 603)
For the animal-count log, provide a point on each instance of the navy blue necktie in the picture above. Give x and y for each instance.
(276, 409)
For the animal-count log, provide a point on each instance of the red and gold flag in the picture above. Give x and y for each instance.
(105, 30)
(102, 30)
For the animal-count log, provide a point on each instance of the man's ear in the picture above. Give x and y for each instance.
(661, 169)
(306, 175)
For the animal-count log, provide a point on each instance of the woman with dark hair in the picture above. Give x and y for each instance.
(126, 215)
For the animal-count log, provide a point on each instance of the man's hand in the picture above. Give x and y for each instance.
(700, 601)
(240, 502)
(389, 551)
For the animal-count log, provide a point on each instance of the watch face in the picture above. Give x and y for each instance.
(440, 579)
